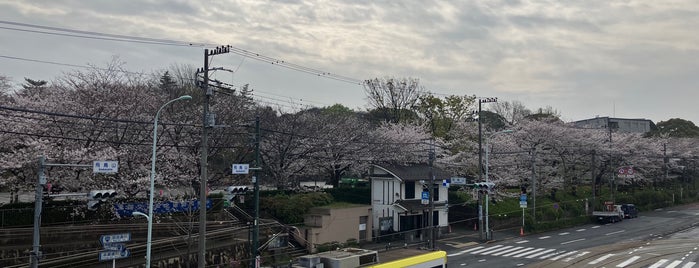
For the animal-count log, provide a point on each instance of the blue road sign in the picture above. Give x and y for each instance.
(523, 197)
(425, 195)
(115, 238)
(114, 246)
(108, 255)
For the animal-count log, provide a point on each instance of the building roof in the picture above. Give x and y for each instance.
(413, 172)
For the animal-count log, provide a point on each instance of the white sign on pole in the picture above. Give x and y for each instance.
(105, 166)
(458, 181)
(240, 168)
(523, 204)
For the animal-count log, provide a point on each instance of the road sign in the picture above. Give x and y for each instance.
(425, 197)
(523, 204)
(115, 238)
(240, 168)
(105, 166)
(458, 181)
(626, 172)
(114, 246)
(523, 197)
(108, 255)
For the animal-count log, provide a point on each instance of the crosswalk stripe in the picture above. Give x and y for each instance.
(505, 251)
(598, 260)
(464, 251)
(563, 255)
(551, 254)
(523, 241)
(486, 249)
(496, 250)
(673, 264)
(629, 261)
(527, 252)
(517, 252)
(576, 256)
(540, 253)
(689, 264)
(658, 263)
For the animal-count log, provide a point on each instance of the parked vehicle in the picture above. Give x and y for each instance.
(611, 213)
(630, 211)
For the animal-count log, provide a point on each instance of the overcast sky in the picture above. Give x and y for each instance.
(629, 59)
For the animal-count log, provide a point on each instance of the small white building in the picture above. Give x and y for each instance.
(397, 200)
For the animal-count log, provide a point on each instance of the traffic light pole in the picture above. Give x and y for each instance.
(38, 202)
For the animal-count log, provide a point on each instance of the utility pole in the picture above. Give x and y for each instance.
(256, 223)
(208, 123)
(534, 184)
(430, 218)
(593, 177)
(38, 200)
(204, 164)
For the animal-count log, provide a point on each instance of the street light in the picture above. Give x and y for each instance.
(152, 178)
(488, 236)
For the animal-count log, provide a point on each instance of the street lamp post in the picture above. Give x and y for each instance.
(152, 179)
(488, 236)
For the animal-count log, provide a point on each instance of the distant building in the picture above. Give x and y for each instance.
(616, 124)
(398, 205)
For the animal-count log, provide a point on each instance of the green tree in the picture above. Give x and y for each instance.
(441, 114)
(675, 128)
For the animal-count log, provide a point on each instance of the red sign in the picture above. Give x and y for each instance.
(625, 172)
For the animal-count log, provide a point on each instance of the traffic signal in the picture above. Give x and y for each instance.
(484, 187)
(98, 196)
(237, 189)
(102, 195)
(232, 191)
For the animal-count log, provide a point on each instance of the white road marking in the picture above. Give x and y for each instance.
(540, 253)
(689, 264)
(576, 256)
(495, 250)
(551, 254)
(517, 252)
(673, 264)
(523, 241)
(563, 255)
(580, 230)
(616, 232)
(658, 264)
(566, 233)
(507, 250)
(595, 227)
(527, 253)
(629, 261)
(486, 249)
(544, 237)
(464, 251)
(572, 241)
(598, 260)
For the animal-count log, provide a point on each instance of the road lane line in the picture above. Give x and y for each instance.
(580, 230)
(544, 237)
(616, 232)
(689, 264)
(595, 227)
(598, 260)
(576, 256)
(572, 241)
(523, 241)
(551, 254)
(629, 261)
(566, 233)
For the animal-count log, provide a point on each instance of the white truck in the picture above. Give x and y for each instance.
(611, 213)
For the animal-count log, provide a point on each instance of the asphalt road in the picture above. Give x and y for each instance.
(661, 238)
